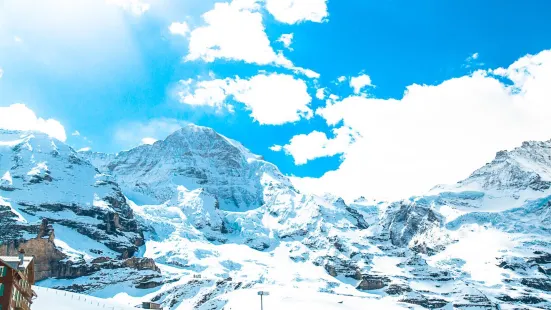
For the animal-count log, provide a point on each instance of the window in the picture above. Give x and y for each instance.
(1, 291)
(3, 271)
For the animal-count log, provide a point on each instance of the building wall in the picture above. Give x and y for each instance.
(6, 279)
(16, 286)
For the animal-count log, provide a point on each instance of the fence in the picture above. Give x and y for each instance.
(93, 302)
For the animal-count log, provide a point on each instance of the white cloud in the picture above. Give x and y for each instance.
(341, 79)
(316, 144)
(471, 61)
(1, 73)
(359, 82)
(273, 99)
(149, 140)
(75, 133)
(276, 148)
(136, 7)
(212, 93)
(286, 39)
(179, 28)
(295, 11)
(234, 31)
(307, 72)
(437, 134)
(132, 134)
(320, 93)
(19, 117)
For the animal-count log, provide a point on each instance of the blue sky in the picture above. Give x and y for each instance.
(114, 71)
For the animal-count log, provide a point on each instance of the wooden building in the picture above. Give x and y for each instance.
(16, 280)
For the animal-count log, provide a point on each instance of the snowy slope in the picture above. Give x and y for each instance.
(49, 299)
(491, 231)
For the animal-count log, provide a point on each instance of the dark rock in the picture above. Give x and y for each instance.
(410, 220)
(525, 299)
(429, 303)
(397, 289)
(543, 284)
(543, 258)
(372, 282)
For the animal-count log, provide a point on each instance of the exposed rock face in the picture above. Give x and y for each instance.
(506, 171)
(411, 219)
(543, 284)
(370, 282)
(396, 289)
(51, 262)
(423, 301)
(73, 270)
(48, 258)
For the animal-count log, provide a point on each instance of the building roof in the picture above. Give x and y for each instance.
(13, 261)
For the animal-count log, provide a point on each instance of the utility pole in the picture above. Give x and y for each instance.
(262, 294)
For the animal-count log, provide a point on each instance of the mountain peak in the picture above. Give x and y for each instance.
(193, 129)
(191, 158)
(526, 167)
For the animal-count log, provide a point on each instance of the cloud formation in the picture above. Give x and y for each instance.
(136, 7)
(19, 117)
(359, 82)
(286, 39)
(435, 133)
(149, 140)
(179, 28)
(234, 31)
(84, 149)
(273, 99)
(295, 11)
(316, 144)
(320, 93)
(132, 134)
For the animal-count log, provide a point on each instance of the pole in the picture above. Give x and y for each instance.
(261, 305)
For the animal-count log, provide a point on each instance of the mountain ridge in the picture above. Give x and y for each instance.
(207, 206)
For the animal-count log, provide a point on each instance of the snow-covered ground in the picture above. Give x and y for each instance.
(50, 299)
(296, 299)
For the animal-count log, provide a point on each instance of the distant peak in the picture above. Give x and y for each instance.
(191, 129)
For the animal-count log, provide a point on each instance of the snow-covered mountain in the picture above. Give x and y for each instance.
(192, 158)
(58, 207)
(220, 223)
